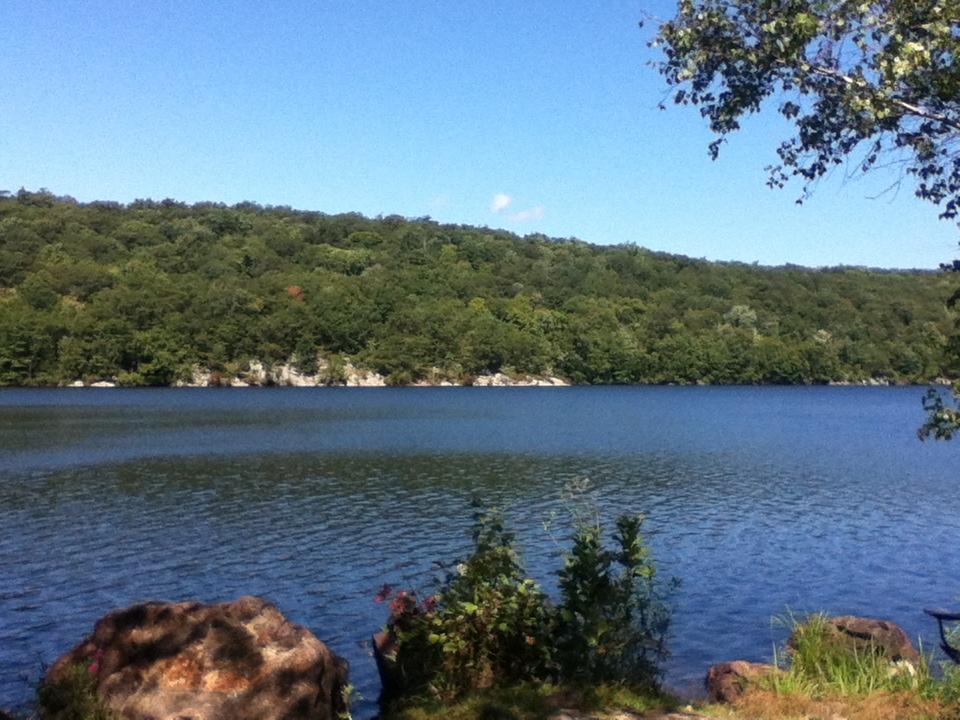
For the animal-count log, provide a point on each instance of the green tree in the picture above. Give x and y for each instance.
(614, 616)
(158, 359)
(850, 75)
(872, 82)
(143, 292)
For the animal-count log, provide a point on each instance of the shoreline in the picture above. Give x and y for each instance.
(423, 384)
(328, 373)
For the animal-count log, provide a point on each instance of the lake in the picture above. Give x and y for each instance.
(762, 501)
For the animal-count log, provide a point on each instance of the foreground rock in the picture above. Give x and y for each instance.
(727, 681)
(859, 634)
(241, 660)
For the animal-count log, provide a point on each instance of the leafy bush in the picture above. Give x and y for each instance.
(489, 625)
(613, 619)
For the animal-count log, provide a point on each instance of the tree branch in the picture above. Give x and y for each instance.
(912, 109)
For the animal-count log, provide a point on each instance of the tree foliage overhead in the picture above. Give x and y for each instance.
(145, 292)
(862, 82)
(865, 84)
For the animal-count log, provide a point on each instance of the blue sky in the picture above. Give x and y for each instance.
(533, 116)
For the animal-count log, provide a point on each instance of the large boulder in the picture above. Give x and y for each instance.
(727, 681)
(859, 634)
(240, 660)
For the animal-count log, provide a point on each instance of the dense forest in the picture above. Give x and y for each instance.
(145, 292)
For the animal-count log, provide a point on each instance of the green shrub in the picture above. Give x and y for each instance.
(613, 619)
(400, 378)
(73, 698)
(491, 626)
(487, 626)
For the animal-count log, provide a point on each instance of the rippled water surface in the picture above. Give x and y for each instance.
(760, 500)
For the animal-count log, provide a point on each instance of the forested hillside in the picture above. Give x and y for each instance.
(144, 292)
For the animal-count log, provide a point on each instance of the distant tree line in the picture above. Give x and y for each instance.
(147, 291)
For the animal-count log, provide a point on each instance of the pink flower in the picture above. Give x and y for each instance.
(383, 594)
(404, 601)
(94, 667)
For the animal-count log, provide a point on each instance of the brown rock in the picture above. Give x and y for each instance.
(727, 681)
(240, 660)
(860, 634)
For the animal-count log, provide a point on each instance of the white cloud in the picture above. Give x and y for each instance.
(535, 213)
(500, 202)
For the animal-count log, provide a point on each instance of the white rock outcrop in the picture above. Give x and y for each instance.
(495, 380)
(289, 376)
(356, 377)
(199, 377)
(257, 374)
(501, 380)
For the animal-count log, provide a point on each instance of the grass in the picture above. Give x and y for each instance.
(73, 698)
(825, 680)
(765, 704)
(819, 666)
(531, 701)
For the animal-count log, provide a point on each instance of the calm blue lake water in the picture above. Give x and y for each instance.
(760, 500)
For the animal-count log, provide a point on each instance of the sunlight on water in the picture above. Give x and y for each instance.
(759, 500)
